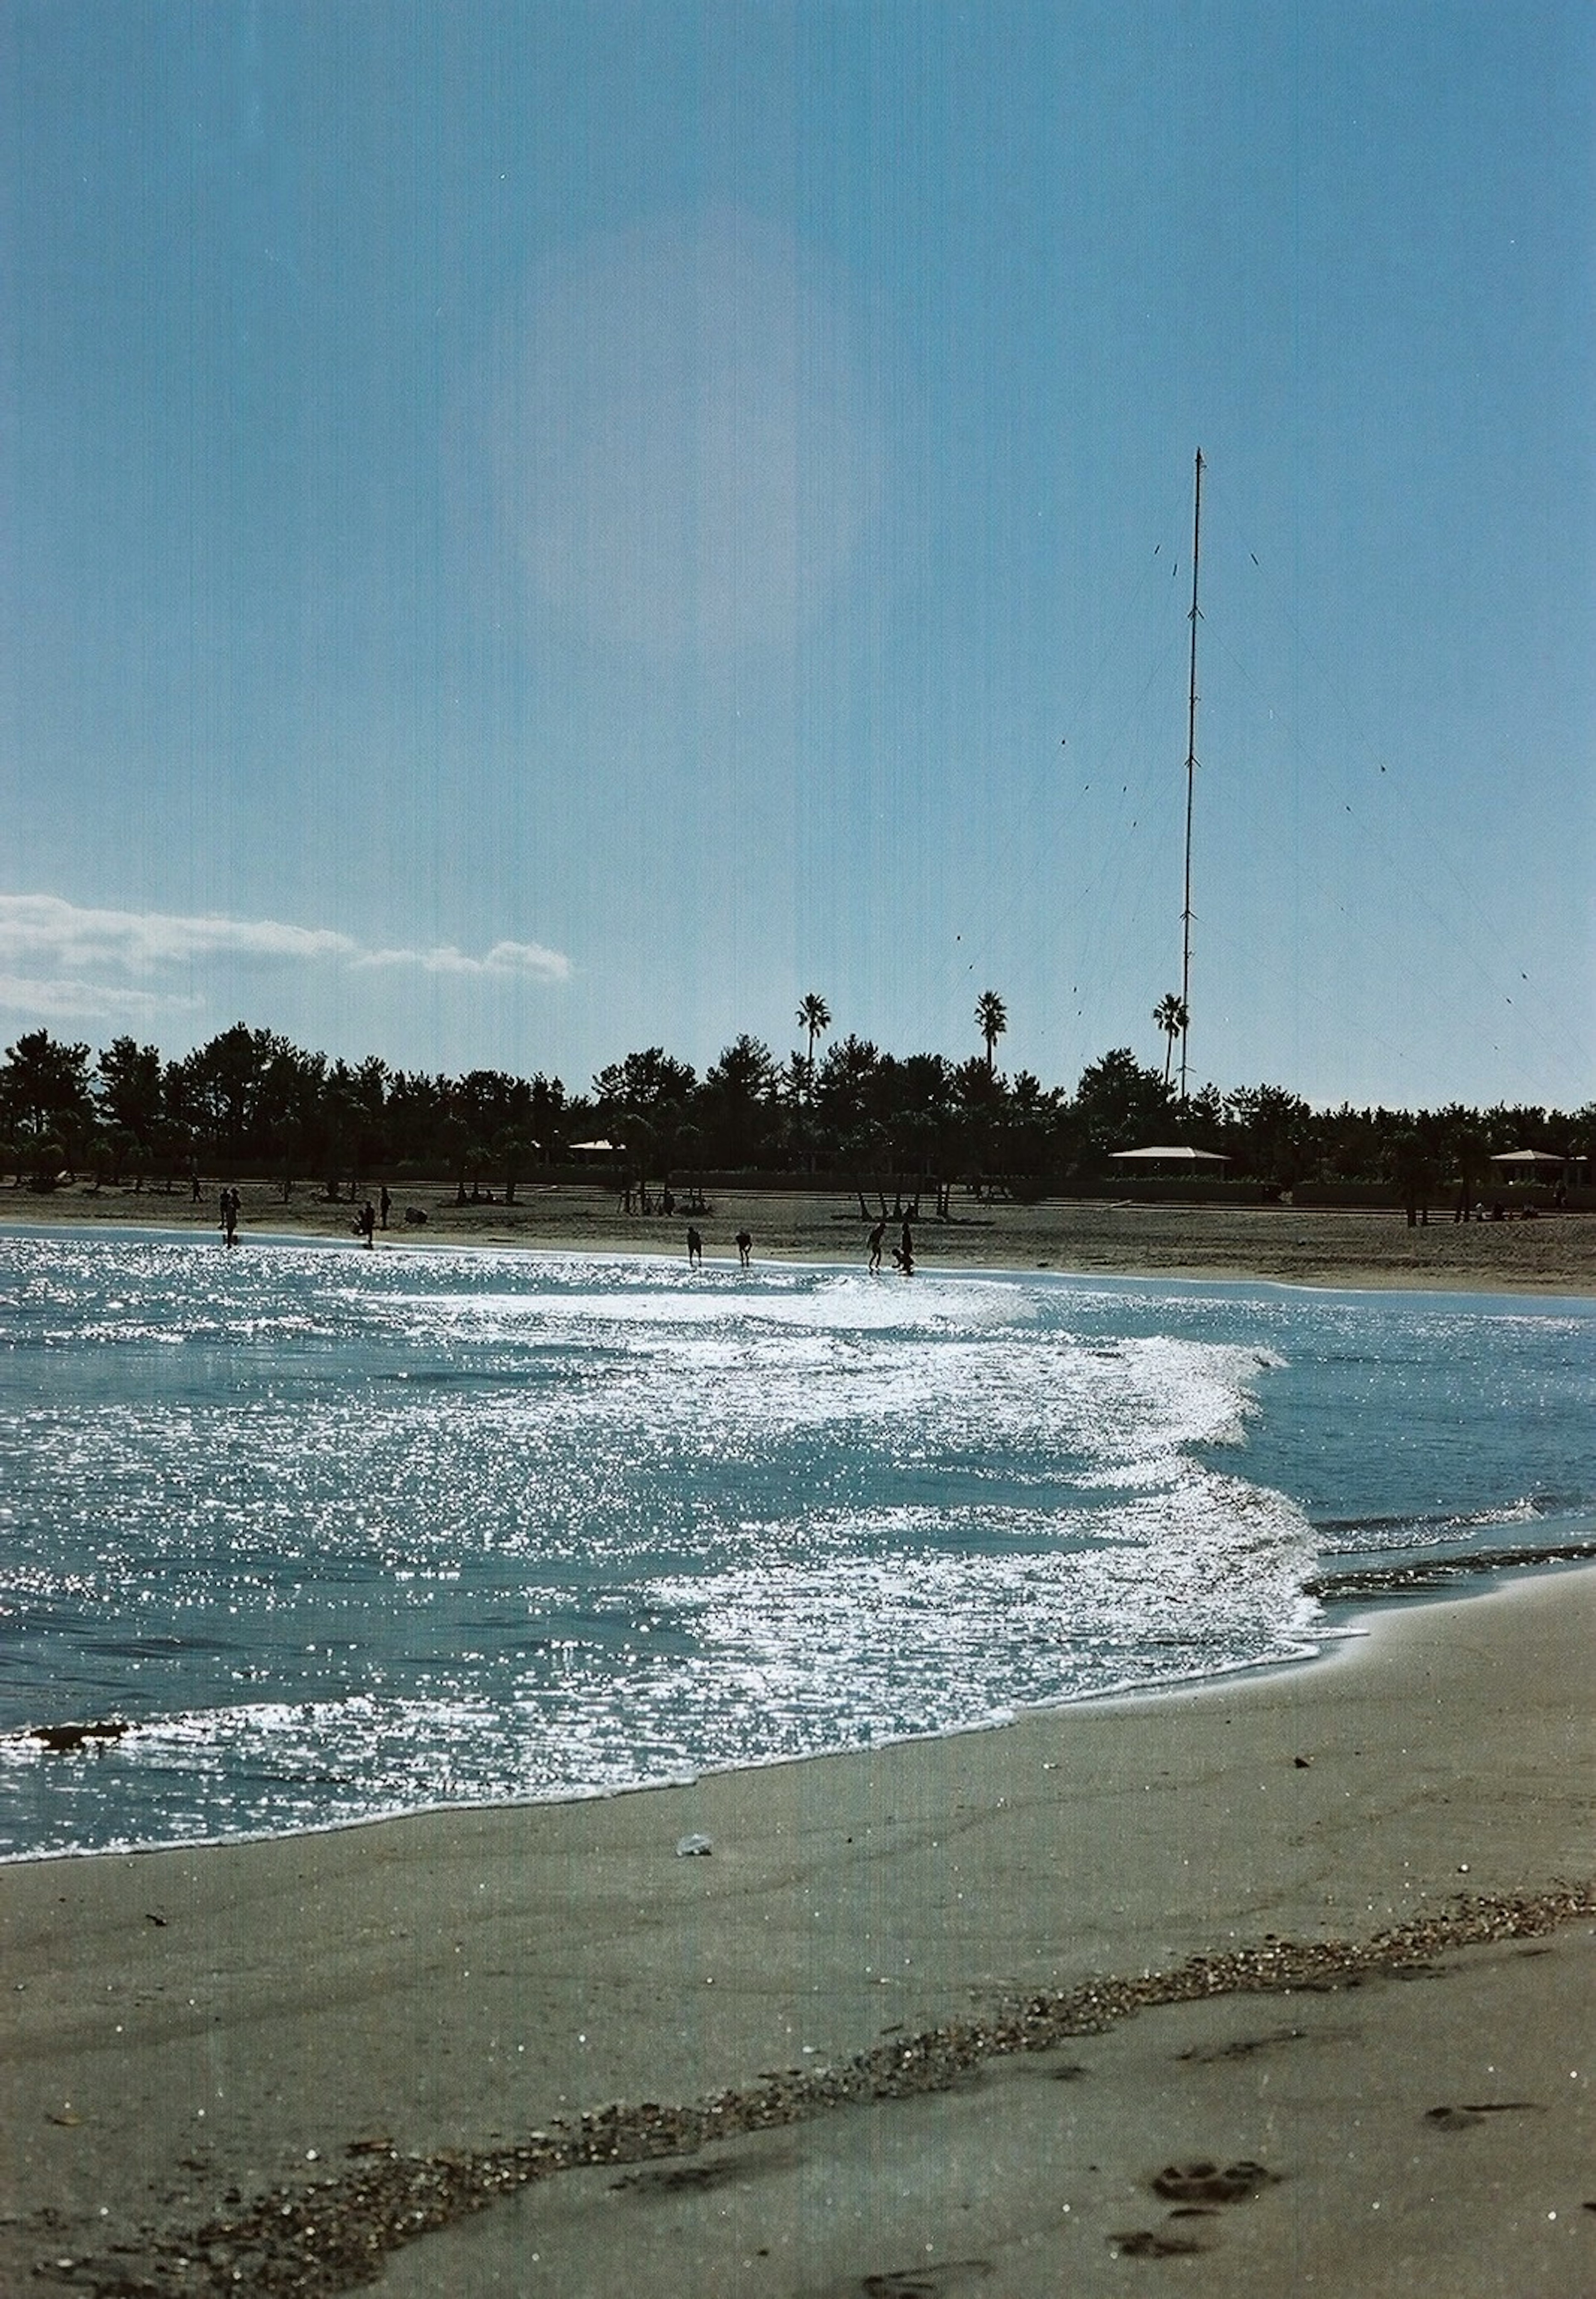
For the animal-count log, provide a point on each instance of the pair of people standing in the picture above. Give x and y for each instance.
(902, 1252)
(696, 1250)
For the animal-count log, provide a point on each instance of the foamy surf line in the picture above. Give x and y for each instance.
(377, 2023)
(1371, 1614)
(338, 1536)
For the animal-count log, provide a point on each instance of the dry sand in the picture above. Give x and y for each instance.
(1556, 1253)
(397, 2011)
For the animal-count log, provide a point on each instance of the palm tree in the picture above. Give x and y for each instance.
(991, 1019)
(1171, 1017)
(814, 1015)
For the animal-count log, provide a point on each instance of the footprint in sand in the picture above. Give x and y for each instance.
(695, 2177)
(1147, 2243)
(1472, 2111)
(1196, 2188)
(1245, 2046)
(1212, 2183)
(944, 2282)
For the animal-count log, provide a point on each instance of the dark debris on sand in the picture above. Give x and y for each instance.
(331, 2235)
(1430, 1575)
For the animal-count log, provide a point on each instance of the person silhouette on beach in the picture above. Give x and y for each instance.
(876, 1234)
(745, 1248)
(367, 1224)
(694, 1249)
(385, 1203)
(230, 1217)
(904, 1256)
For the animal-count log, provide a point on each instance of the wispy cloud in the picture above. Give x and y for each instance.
(503, 957)
(64, 962)
(41, 929)
(68, 999)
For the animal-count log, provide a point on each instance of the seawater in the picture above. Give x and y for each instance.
(341, 1533)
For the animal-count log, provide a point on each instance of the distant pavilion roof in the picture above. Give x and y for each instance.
(1175, 1153)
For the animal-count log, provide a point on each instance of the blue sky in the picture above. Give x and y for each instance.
(532, 531)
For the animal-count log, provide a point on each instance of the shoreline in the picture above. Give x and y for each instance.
(1362, 1613)
(1331, 1249)
(196, 2025)
(1343, 1595)
(957, 2009)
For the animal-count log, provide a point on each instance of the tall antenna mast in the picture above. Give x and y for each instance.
(1186, 915)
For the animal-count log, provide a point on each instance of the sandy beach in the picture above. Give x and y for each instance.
(922, 2020)
(1286, 1983)
(1118, 1237)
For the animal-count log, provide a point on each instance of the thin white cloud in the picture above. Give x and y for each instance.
(42, 928)
(67, 1000)
(55, 957)
(503, 957)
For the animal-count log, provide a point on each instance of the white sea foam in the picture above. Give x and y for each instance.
(342, 1534)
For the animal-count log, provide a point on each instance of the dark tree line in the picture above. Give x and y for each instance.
(251, 1102)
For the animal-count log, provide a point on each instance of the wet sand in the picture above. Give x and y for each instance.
(1330, 1932)
(1554, 1253)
